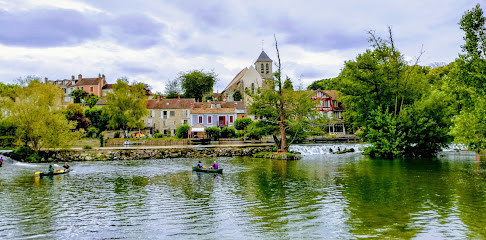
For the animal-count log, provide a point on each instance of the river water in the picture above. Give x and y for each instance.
(322, 196)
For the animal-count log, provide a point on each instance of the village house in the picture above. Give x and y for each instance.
(327, 103)
(216, 114)
(166, 115)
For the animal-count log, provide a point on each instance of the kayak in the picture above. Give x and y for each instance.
(56, 172)
(207, 170)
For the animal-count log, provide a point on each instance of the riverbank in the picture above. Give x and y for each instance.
(147, 152)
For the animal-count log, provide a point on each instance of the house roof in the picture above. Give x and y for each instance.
(263, 57)
(212, 107)
(170, 103)
(108, 86)
(87, 81)
(212, 110)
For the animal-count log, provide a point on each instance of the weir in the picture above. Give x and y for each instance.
(321, 149)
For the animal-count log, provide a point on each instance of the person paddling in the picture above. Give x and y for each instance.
(199, 164)
(51, 170)
(1, 161)
(66, 167)
(215, 165)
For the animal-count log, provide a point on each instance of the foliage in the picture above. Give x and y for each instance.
(102, 139)
(21, 152)
(183, 131)
(33, 158)
(228, 132)
(37, 114)
(97, 117)
(74, 112)
(92, 132)
(237, 95)
(213, 133)
(196, 83)
(258, 129)
(92, 100)
(116, 135)
(288, 84)
(78, 95)
(87, 147)
(159, 135)
(393, 103)
(7, 128)
(9, 90)
(242, 123)
(172, 89)
(126, 105)
(467, 82)
(325, 84)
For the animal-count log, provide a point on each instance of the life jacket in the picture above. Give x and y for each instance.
(215, 166)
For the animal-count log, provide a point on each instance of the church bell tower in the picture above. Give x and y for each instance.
(263, 65)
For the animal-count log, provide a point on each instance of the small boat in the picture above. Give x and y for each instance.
(220, 170)
(56, 172)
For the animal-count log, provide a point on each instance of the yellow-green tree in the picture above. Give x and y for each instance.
(37, 114)
(126, 106)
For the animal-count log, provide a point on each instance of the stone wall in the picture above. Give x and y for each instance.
(134, 154)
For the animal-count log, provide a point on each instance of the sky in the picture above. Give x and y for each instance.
(153, 41)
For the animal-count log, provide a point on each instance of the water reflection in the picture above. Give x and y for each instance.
(321, 196)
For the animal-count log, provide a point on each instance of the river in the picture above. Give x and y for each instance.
(322, 196)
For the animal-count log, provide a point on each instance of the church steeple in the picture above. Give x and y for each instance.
(263, 65)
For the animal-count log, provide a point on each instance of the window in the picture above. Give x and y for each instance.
(91, 89)
(262, 69)
(184, 121)
(164, 115)
(186, 113)
(231, 119)
(200, 119)
(334, 103)
(151, 113)
(268, 69)
(252, 87)
(172, 113)
(165, 132)
(325, 103)
(210, 119)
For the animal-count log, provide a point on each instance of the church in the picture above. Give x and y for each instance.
(249, 78)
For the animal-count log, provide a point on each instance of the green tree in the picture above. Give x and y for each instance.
(172, 88)
(92, 100)
(183, 131)
(288, 84)
(78, 95)
(213, 132)
(467, 82)
(325, 84)
(39, 119)
(74, 112)
(237, 95)
(197, 83)
(98, 117)
(242, 123)
(125, 106)
(392, 103)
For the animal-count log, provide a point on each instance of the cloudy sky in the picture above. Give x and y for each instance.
(151, 41)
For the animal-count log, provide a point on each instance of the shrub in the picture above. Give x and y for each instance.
(92, 132)
(22, 152)
(117, 135)
(34, 158)
(159, 135)
(183, 131)
(87, 147)
(213, 133)
(242, 123)
(228, 132)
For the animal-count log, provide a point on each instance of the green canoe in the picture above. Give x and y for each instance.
(207, 170)
(57, 172)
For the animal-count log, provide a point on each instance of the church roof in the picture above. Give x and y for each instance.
(263, 57)
(236, 79)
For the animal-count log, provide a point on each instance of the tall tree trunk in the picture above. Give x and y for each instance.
(281, 123)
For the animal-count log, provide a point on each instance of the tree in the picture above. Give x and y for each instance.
(242, 123)
(288, 84)
(182, 131)
(392, 103)
(325, 84)
(78, 95)
(237, 95)
(281, 111)
(98, 117)
(74, 112)
(92, 100)
(197, 83)
(125, 106)
(38, 118)
(172, 89)
(467, 82)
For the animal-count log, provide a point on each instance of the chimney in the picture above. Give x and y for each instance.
(100, 86)
(45, 79)
(178, 96)
(80, 77)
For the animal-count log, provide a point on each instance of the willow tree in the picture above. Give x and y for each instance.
(38, 116)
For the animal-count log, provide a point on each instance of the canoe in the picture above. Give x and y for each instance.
(207, 170)
(56, 172)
